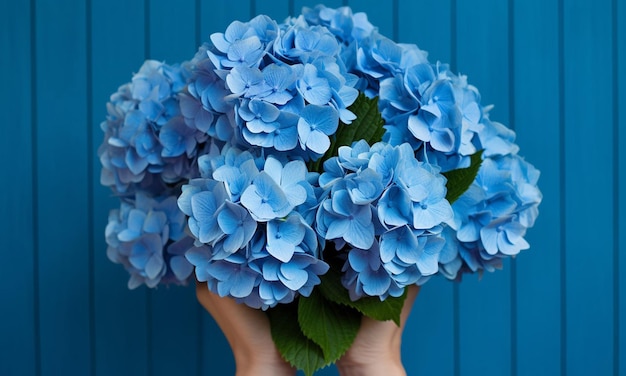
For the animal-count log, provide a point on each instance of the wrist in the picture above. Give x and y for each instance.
(385, 367)
(265, 361)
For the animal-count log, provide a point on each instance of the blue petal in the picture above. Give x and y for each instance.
(292, 277)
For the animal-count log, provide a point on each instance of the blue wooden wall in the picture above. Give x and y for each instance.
(556, 70)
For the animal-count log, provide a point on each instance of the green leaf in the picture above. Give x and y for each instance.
(373, 307)
(332, 326)
(367, 126)
(460, 180)
(292, 344)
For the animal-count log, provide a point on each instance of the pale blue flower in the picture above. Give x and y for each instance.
(177, 138)
(394, 208)
(139, 235)
(279, 83)
(496, 139)
(364, 187)
(302, 43)
(348, 221)
(233, 279)
(356, 156)
(281, 135)
(292, 179)
(237, 174)
(314, 88)
(504, 235)
(245, 81)
(437, 121)
(133, 154)
(237, 226)
(265, 199)
(364, 275)
(200, 201)
(315, 125)
(283, 236)
(410, 256)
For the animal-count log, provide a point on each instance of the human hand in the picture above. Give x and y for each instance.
(376, 348)
(248, 333)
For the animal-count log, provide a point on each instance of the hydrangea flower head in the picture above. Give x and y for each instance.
(241, 165)
(145, 236)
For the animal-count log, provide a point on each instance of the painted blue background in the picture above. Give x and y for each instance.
(556, 70)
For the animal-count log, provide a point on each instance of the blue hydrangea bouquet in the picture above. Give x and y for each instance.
(313, 169)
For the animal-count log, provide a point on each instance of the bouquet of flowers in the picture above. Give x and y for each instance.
(314, 169)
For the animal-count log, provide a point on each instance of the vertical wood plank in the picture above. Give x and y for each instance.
(62, 145)
(298, 4)
(217, 15)
(172, 30)
(428, 341)
(120, 314)
(275, 9)
(174, 332)
(433, 32)
(380, 14)
(485, 305)
(620, 18)
(589, 186)
(17, 287)
(536, 40)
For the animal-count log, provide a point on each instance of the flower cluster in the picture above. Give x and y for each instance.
(146, 142)
(492, 216)
(388, 210)
(246, 139)
(147, 237)
(252, 243)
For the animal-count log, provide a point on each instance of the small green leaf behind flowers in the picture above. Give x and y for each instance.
(373, 307)
(460, 180)
(367, 126)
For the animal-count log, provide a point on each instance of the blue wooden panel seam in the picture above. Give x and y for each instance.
(616, 187)
(482, 42)
(62, 190)
(35, 184)
(563, 196)
(537, 311)
(619, 19)
(589, 186)
(18, 339)
(90, 185)
(511, 124)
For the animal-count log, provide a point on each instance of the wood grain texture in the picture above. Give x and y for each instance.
(620, 65)
(18, 342)
(62, 176)
(588, 186)
(538, 312)
(86, 322)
